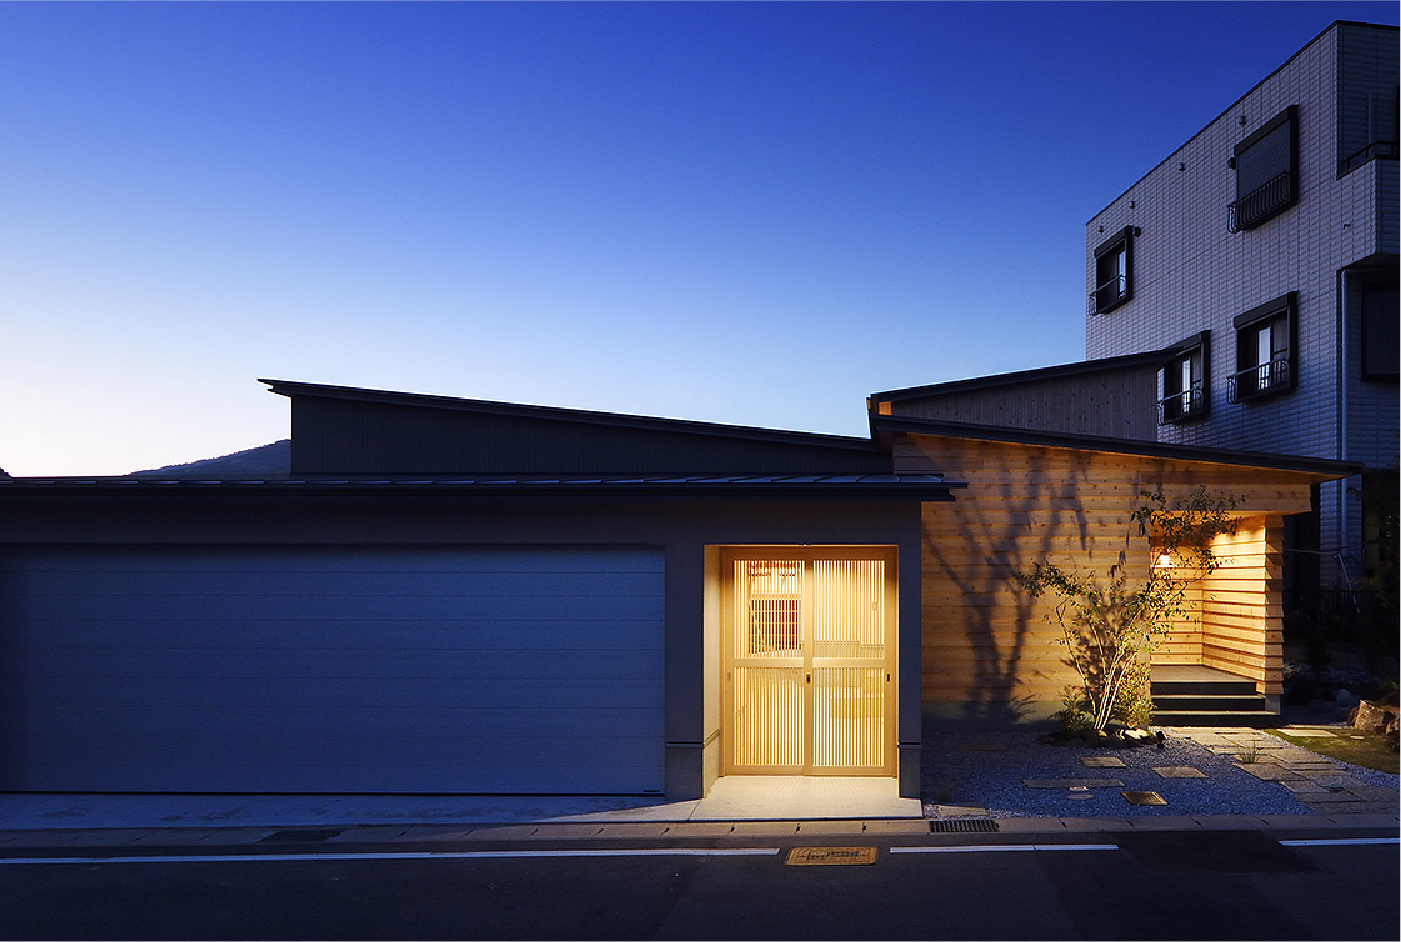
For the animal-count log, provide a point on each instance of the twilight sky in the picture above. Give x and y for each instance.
(754, 214)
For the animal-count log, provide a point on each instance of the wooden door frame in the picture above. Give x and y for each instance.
(809, 553)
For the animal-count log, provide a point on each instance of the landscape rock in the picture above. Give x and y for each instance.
(1374, 718)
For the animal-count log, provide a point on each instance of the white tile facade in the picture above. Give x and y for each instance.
(1191, 274)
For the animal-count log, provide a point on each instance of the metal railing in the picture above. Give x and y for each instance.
(1260, 203)
(1258, 380)
(1109, 293)
(1370, 152)
(1182, 405)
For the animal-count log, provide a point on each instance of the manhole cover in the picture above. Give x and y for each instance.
(1144, 798)
(306, 836)
(831, 856)
(963, 824)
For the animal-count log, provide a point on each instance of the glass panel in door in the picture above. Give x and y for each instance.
(768, 668)
(848, 664)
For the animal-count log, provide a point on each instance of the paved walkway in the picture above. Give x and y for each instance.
(1321, 784)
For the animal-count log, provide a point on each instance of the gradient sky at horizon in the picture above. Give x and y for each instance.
(744, 213)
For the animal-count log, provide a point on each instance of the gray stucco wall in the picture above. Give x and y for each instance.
(683, 528)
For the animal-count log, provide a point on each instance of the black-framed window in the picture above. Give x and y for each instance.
(1114, 270)
(1265, 350)
(1381, 331)
(1184, 382)
(1267, 171)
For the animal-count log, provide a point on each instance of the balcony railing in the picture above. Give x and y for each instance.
(1187, 404)
(1109, 294)
(1371, 152)
(1260, 203)
(1258, 380)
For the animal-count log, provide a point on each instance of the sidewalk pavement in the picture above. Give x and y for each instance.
(737, 807)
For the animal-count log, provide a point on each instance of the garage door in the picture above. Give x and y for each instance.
(272, 669)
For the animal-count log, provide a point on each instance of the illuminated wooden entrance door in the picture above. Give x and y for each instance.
(808, 661)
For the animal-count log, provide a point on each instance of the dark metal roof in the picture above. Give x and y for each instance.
(1123, 446)
(1061, 371)
(922, 487)
(555, 413)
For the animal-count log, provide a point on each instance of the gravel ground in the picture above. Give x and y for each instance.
(957, 774)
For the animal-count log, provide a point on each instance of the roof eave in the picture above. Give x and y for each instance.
(1325, 468)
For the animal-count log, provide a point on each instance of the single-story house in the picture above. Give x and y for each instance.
(438, 595)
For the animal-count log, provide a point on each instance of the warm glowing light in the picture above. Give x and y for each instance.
(1165, 559)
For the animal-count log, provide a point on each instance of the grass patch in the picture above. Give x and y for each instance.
(1371, 751)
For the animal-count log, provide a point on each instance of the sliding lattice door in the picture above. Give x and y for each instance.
(809, 662)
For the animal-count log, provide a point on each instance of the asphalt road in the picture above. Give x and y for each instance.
(1168, 885)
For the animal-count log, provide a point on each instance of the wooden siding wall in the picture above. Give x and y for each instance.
(1242, 608)
(1183, 644)
(985, 641)
(1116, 403)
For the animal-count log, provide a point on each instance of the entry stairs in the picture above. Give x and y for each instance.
(1192, 695)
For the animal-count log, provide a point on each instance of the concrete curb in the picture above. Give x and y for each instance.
(130, 838)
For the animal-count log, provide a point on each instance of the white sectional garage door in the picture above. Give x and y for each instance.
(274, 669)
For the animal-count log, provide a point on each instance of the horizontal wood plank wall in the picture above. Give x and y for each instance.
(986, 641)
(1183, 644)
(1242, 626)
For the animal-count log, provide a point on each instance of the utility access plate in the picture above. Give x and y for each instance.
(831, 856)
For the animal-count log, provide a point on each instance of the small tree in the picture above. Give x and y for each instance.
(1110, 623)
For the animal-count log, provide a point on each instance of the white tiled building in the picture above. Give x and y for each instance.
(1265, 250)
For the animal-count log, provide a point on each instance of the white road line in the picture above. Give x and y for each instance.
(1342, 842)
(410, 855)
(985, 848)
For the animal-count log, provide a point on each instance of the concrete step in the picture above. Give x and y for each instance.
(1204, 688)
(1252, 719)
(1208, 704)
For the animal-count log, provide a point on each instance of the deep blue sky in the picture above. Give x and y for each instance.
(739, 213)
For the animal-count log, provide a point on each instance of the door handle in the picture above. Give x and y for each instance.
(809, 678)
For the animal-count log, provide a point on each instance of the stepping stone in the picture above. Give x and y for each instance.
(1342, 807)
(1267, 771)
(1327, 777)
(1374, 792)
(1178, 771)
(1144, 798)
(1307, 733)
(1102, 762)
(1304, 787)
(960, 811)
(981, 747)
(1327, 797)
(1072, 783)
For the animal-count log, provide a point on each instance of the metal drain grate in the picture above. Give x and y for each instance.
(962, 824)
(306, 836)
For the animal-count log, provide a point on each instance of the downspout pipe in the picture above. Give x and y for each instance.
(1342, 376)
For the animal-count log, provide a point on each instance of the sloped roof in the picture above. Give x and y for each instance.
(557, 414)
(917, 486)
(1060, 371)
